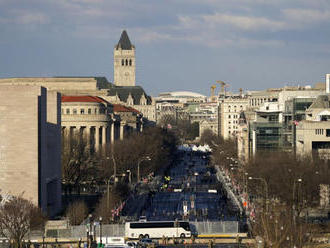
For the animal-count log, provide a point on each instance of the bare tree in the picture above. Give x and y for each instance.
(292, 185)
(224, 151)
(208, 137)
(278, 227)
(292, 180)
(17, 217)
(77, 212)
(106, 205)
(156, 143)
(79, 163)
(167, 119)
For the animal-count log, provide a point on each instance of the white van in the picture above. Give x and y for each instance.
(114, 242)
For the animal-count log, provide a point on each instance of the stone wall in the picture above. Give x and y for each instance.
(30, 146)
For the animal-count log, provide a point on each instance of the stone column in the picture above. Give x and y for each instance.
(141, 126)
(97, 138)
(66, 132)
(76, 132)
(112, 132)
(88, 135)
(104, 133)
(121, 130)
(254, 142)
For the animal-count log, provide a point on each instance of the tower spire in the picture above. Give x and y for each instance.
(124, 42)
(124, 61)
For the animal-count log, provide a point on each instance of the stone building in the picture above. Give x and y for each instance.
(91, 117)
(30, 145)
(132, 96)
(208, 125)
(258, 98)
(229, 112)
(313, 134)
(131, 117)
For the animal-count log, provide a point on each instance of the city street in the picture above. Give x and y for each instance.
(190, 191)
(206, 245)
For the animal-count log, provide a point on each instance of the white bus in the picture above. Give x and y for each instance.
(157, 229)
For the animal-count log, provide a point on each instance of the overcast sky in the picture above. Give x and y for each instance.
(180, 44)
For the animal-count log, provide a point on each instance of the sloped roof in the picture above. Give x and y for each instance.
(124, 42)
(83, 99)
(123, 92)
(322, 101)
(122, 108)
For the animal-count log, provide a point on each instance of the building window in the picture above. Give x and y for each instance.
(74, 111)
(67, 111)
(130, 62)
(122, 62)
(229, 116)
(126, 62)
(327, 132)
(89, 111)
(95, 111)
(82, 111)
(320, 131)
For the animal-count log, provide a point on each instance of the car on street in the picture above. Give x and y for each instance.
(143, 219)
(145, 242)
(132, 244)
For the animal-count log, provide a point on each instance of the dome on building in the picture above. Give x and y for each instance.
(182, 94)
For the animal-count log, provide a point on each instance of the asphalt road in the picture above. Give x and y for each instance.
(206, 245)
(193, 178)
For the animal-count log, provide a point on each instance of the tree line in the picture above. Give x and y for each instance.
(282, 187)
(153, 151)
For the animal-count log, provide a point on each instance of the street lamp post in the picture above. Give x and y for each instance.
(94, 232)
(90, 230)
(114, 167)
(246, 182)
(266, 188)
(100, 219)
(129, 175)
(196, 174)
(299, 180)
(87, 237)
(147, 158)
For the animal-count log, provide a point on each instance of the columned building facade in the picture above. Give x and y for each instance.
(91, 117)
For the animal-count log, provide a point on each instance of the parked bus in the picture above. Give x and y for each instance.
(157, 229)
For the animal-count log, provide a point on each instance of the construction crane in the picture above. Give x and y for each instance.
(212, 92)
(223, 86)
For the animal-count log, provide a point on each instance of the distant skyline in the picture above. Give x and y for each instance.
(180, 45)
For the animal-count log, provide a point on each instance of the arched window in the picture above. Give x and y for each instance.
(130, 62)
(122, 62)
(126, 62)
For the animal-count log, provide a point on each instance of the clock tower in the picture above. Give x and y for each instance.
(124, 62)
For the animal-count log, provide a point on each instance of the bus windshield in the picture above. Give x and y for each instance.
(185, 225)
